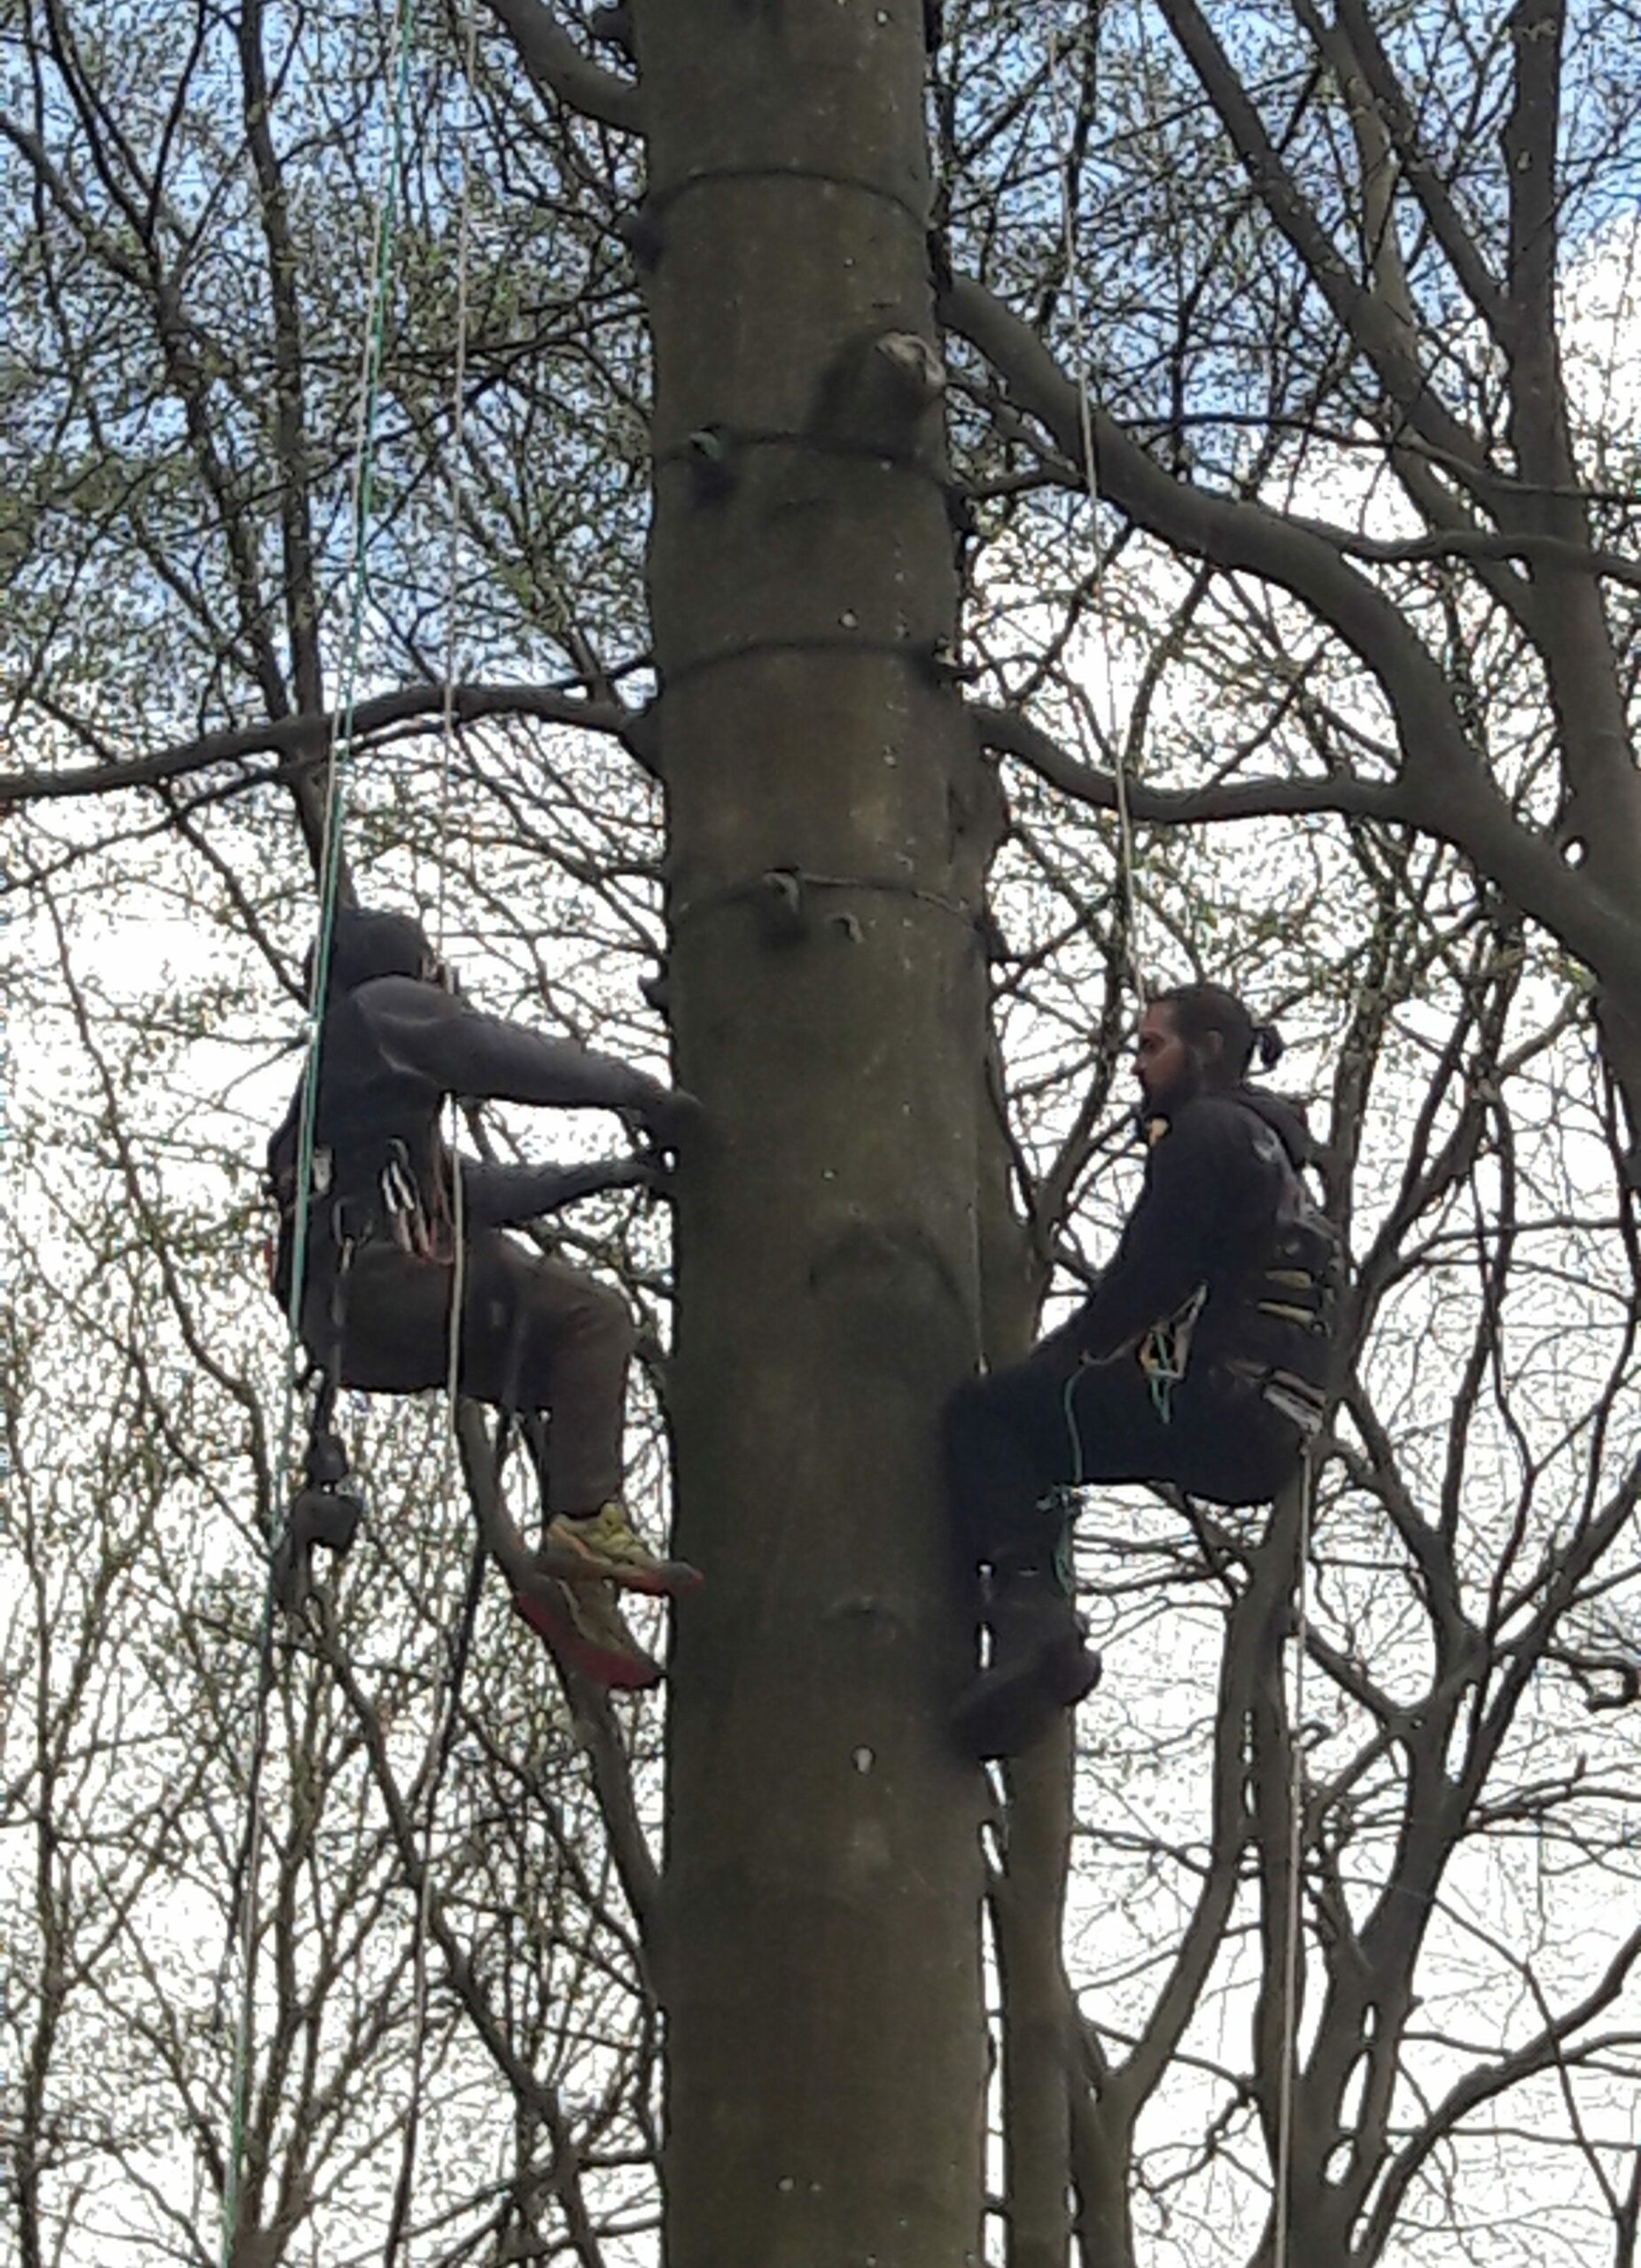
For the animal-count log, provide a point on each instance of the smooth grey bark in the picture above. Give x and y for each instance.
(1036, 2032)
(818, 1953)
(1028, 1916)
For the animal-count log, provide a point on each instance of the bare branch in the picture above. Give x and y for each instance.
(558, 67)
(1482, 544)
(1373, 326)
(1440, 209)
(1487, 2081)
(307, 739)
(1230, 533)
(1443, 786)
(1009, 733)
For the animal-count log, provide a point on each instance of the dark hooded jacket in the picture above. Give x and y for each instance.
(393, 1043)
(1223, 1213)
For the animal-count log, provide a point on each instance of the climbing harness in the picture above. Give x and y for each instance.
(1297, 1284)
(322, 1513)
(426, 1230)
(1165, 1352)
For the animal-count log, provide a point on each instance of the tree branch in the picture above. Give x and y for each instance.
(1230, 533)
(1484, 544)
(1009, 733)
(557, 66)
(634, 1865)
(1441, 210)
(307, 739)
(1361, 313)
(537, 2095)
(1443, 786)
(1482, 2084)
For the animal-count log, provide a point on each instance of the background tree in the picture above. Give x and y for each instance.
(1357, 508)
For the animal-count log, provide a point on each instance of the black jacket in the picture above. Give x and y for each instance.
(1223, 1210)
(391, 1051)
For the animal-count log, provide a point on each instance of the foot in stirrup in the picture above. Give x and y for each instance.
(585, 1627)
(603, 1549)
(320, 1514)
(1039, 1666)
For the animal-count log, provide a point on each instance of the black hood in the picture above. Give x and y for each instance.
(1286, 1118)
(364, 945)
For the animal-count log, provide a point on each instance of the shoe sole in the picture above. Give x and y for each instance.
(608, 1666)
(667, 1579)
(1012, 1716)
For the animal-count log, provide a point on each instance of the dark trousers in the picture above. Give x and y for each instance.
(1015, 1436)
(537, 1336)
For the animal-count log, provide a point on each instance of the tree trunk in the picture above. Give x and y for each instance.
(818, 1948)
(1027, 1913)
(1028, 1898)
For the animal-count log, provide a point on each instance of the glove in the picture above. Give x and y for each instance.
(671, 1117)
(650, 1171)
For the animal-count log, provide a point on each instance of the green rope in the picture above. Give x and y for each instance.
(1073, 1431)
(447, 1688)
(330, 886)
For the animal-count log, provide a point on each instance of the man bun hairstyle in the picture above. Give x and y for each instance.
(1200, 1009)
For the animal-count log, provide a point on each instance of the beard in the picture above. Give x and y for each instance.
(1188, 1084)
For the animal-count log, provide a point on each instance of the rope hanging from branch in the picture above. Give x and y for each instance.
(1287, 2069)
(1292, 1947)
(247, 1929)
(1076, 302)
(447, 1697)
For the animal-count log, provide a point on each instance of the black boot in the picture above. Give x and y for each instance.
(1039, 1666)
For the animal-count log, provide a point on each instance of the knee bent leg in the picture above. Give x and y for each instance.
(603, 1319)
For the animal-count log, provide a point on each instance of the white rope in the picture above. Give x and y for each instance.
(1289, 2058)
(445, 1696)
(458, 441)
(1288, 2065)
(250, 1913)
(1077, 308)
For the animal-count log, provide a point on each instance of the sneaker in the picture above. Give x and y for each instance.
(1039, 1666)
(604, 1549)
(585, 1628)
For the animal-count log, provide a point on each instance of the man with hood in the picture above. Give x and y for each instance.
(387, 1201)
(1200, 1359)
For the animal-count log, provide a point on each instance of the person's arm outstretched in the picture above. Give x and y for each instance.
(507, 1196)
(427, 1034)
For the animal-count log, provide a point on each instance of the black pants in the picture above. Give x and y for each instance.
(1015, 1436)
(536, 1335)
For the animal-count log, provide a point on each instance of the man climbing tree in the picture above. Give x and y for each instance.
(1342, 267)
(393, 1220)
(1200, 1359)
